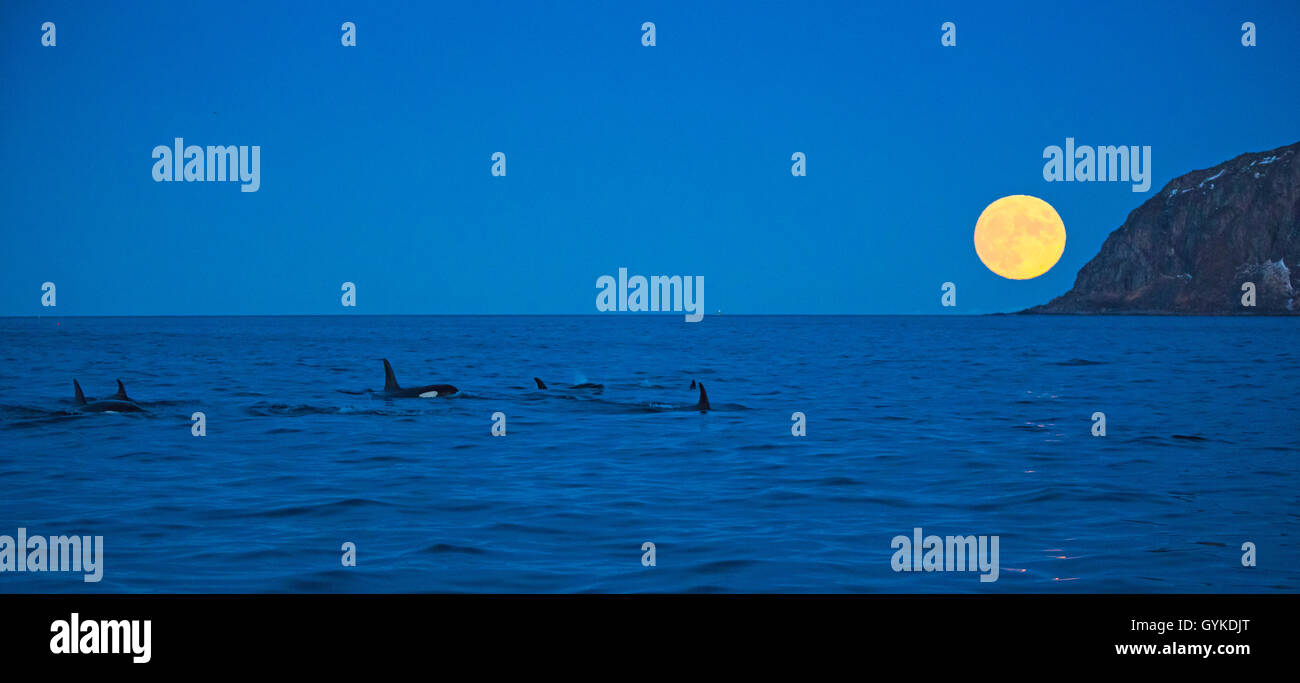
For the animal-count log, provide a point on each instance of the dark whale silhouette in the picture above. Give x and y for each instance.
(584, 385)
(393, 390)
(702, 405)
(118, 403)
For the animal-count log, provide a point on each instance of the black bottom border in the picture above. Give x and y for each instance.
(1005, 632)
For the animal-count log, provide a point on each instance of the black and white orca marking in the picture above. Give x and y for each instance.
(393, 390)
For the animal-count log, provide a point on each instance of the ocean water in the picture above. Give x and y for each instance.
(957, 425)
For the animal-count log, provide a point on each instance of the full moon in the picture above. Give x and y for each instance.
(1019, 237)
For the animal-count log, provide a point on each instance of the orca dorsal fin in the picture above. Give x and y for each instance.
(121, 392)
(692, 384)
(81, 398)
(390, 381)
(703, 405)
(540, 383)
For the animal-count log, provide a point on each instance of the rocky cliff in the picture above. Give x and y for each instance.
(1190, 248)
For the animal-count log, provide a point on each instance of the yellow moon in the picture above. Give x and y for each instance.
(1019, 237)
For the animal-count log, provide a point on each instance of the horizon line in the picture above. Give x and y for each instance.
(1022, 313)
(624, 314)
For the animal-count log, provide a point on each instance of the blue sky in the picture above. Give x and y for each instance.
(673, 159)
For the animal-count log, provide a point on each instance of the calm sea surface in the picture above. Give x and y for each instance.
(957, 425)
